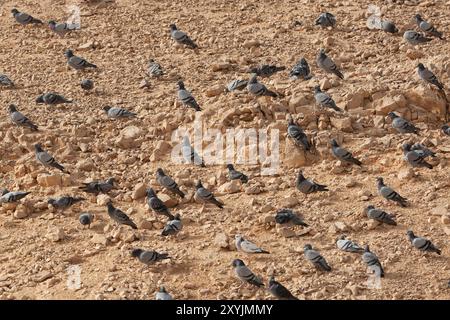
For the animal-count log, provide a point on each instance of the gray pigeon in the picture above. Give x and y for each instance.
(19, 119)
(324, 100)
(3, 191)
(245, 274)
(237, 84)
(233, 174)
(414, 158)
(149, 257)
(380, 216)
(46, 159)
(348, 245)
(186, 97)
(154, 69)
(296, 133)
(5, 81)
(61, 29)
(64, 203)
(173, 226)
(156, 205)
(326, 19)
(287, 216)
(402, 125)
(428, 76)
(52, 98)
(325, 63)
(205, 196)
(97, 187)
(427, 27)
(316, 259)
(76, 62)
(119, 216)
(342, 154)
(86, 219)
(168, 183)
(279, 291)
(115, 113)
(189, 153)
(421, 243)
(446, 129)
(372, 261)
(266, 70)
(301, 70)
(258, 89)
(422, 150)
(13, 196)
(87, 84)
(24, 18)
(162, 294)
(415, 38)
(308, 186)
(181, 37)
(390, 194)
(388, 26)
(247, 246)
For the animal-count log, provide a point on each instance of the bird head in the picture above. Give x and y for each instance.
(12, 108)
(38, 147)
(392, 115)
(322, 53)
(173, 27)
(366, 248)
(445, 127)
(271, 280)
(162, 289)
(238, 262)
(303, 61)
(199, 184)
(307, 247)
(111, 181)
(410, 234)
(317, 89)
(230, 167)
(51, 201)
(342, 237)
(160, 171)
(253, 70)
(106, 108)
(370, 207)
(109, 203)
(252, 78)
(40, 99)
(238, 237)
(300, 175)
(150, 192)
(68, 53)
(14, 11)
(380, 180)
(418, 18)
(421, 66)
(177, 217)
(52, 24)
(334, 143)
(406, 147)
(180, 85)
(136, 252)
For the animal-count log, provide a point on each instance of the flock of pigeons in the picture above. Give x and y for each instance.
(415, 155)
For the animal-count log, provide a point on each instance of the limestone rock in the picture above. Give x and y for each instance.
(221, 240)
(169, 200)
(56, 235)
(49, 180)
(215, 90)
(342, 124)
(428, 99)
(285, 232)
(21, 211)
(389, 103)
(230, 187)
(139, 191)
(103, 199)
(405, 174)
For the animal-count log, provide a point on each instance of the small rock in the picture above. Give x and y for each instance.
(440, 211)
(49, 180)
(86, 165)
(288, 202)
(215, 90)
(230, 187)
(169, 200)
(343, 124)
(221, 240)
(144, 84)
(445, 219)
(21, 212)
(285, 232)
(325, 84)
(103, 199)
(56, 235)
(254, 189)
(145, 224)
(372, 224)
(99, 239)
(139, 191)
(405, 174)
(341, 226)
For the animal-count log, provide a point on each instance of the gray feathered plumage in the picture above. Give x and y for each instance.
(415, 158)
(380, 216)
(422, 244)
(343, 154)
(204, 195)
(19, 119)
(308, 186)
(389, 193)
(119, 216)
(415, 38)
(245, 274)
(149, 257)
(327, 64)
(402, 125)
(317, 260)
(324, 100)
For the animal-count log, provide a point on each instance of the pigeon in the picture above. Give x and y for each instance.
(316, 259)
(86, 219)
(348, 245)
(301, 70)
(421, 243)
(414, 158)
(186, 97)
(3, 191)
(245, 274)
(154, 69)
(5, 81)
(402, 125)
(446, 129)
(295, 132)
(258, 89)
(61, 29)
(119, 216)
(189, 154)
(76, 62)
(428, 76)
(149, 257)
(390, 194)
(64, 203)
(19, 119)
(157, 205)
(12, 196)
(24, 18)
(46, 159)
(326, 19)
(287, 216)
(415, 38)
(52, 98)
(325, 63)
(173, 226)
(427, 27)
(342, 154)
(388, 26)
(279, 291)
(266, 70)
(247, 246)
(237, 84)
(236, 175)
(168, 183)
(324, 100)
(422, 150)
(380, 216)
(205, 196)
(181, 37)
(372, 262)
(115, 113)
(162, 294)
(87, 84)
(308, 186)
(97, 187)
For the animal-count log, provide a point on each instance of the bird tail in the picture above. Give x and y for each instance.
(279, 69)
(163, 256)
(32, 126)
(36, 21)
(271, 94)
(217, 203)
(426, 164)
(336, 108)
(179, 192)
(169, 215)
(264, 251)
(321, 187)
(244, 179)
(131, 224)
(75, 200)
(356, 161)
(91, 65)
(59, 167)
(338, 73)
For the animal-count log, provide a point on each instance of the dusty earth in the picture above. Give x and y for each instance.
(38, 246)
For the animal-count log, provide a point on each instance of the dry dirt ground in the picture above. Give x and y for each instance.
(38, 245)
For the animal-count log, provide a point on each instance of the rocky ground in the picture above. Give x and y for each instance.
(38, 245)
